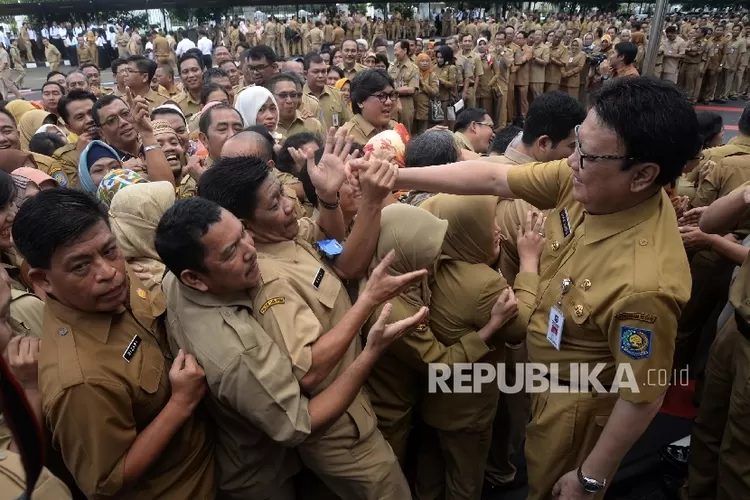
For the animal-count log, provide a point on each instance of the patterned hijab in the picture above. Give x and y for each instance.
(115, 181)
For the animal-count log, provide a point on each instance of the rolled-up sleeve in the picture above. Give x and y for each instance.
(93, 427)
(260, 385)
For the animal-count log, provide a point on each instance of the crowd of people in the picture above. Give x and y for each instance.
(235, 285)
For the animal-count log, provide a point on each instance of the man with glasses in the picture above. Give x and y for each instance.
(334, 111)
(474, 130)
(140, 72)
(613, 277)
(288, 93)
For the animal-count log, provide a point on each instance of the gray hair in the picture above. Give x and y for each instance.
(431, 147)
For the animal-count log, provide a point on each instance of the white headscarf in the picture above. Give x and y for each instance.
(249, 102)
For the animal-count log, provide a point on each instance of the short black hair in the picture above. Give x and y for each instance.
(116, 64)
(103, 101)
(404, 44)
(89, 65)
(213, 73)
(711, 124)
(655, 121)
(259, 52)
(285, 162)
(53, 219)
(53, 73)
(468, 116)
(45, 143)
(627, 50)
(743, 124)
(336, 70)
(209, 88)
(179, 233)
(47, 84)
(233, 183)
(144, 65)
(366, 83)
(503, 138)
(8, 189)
(282, 77)
(553, 114)
(185, 57)
(222, 63)
(206, 117)
(312, 58)
(73, 95)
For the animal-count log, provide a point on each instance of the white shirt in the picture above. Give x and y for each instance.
(45, 33)
(100, 41)
(77, 31)
(32, 34)
(184, 45)
(206, 46)
(149, 46)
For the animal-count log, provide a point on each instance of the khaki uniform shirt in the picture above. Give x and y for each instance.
(504, 63)
(404, 74)
(538, 70)
(53, 168)
(715, 55)
(13, 480)
(334, 111)
(629, 278)
(553, 72)
(289, 305)
(447, 80)
(472, 67)
(338, 36)
(733, 52)
(349, 73)
(52, 54)
(571, 73)
(311, 125)
(671, 63)
(155, 99)
(187, 104)
(523, 71)
(256, 403)
(315, 36)
(95, 401)
(726, 176)
(739, 294)
(463, 142)
(362, 130)
(161, 47)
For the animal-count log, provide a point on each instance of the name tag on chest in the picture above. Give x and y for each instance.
(132, 347)
(565, 222)
(319, 278)
(555, 327)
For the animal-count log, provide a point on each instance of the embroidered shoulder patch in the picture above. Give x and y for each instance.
(60, 178)
(270, 303)
(635, 342)
(625, 316)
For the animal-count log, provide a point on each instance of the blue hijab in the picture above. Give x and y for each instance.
(96, 150)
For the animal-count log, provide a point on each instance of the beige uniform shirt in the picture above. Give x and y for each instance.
(187, 104)
(256, 403)
(334, 111)
(671, 63)
(349, 73)
(362, 130)
(311, 125)
(629, 281)
(538, 70)
(96, 401)
(13, 480)
(739, 294)
(553, 72)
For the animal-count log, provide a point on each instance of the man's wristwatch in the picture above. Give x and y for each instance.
(590, 485)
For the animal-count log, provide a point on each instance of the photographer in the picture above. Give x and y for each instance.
(619, 63)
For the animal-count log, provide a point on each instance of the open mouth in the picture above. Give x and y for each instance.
(173, 158)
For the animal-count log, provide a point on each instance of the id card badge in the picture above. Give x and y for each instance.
(335, 119)
(555, 327)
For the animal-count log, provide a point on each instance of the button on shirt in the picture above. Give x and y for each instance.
(256, 401)
(95, 402)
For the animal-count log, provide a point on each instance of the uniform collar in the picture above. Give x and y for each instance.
(286, 250)
(297, 119)
(599, 227)
(518, 157)
(208, 299)
(366, 127)
(463, 141)
(307, 90)
(739, 140)
(144, 305)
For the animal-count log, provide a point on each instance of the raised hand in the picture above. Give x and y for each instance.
(188, 381)
(329, 174)
(382, 335)
(382, 286)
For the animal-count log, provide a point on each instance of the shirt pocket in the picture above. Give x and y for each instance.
(329, 288)
(365, 424)
(578, 316)
(152, 368)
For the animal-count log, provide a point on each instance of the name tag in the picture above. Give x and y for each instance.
(335, 119)
(318, 278)
(132, 347)
(731, 51)
(555, 327)
(570, 60)
(565, 222)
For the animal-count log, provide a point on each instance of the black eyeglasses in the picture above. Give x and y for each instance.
(382, 97)
(588, 157)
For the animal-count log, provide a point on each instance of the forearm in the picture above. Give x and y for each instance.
(473, 177)
(151, 441)
(406, 91)
(360, 245)
(731, 251)
(328, 350)
(331, 222)
(329, 405)
(156, 163)
(624, 427)
(723, 214)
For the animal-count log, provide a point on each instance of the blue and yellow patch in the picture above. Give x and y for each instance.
(635, 342)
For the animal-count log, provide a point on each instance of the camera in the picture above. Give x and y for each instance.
(596, 59)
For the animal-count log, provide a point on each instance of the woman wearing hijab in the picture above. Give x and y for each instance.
(97, 160)
(467, 296)
(18, 108)
(428, 89)
(345, 86)
(30, 181)
(135, 212)
(257, 106)
(30, 122)
(114, 181)
(447, 75)
(397, 382)
(571, 71)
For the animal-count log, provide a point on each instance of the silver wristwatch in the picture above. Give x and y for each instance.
(590, 485)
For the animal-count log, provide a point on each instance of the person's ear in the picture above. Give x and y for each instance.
(194, 280)
(39, 277)
(202, 138)
(644, 176)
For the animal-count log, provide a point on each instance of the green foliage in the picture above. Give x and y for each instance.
(116, 17)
